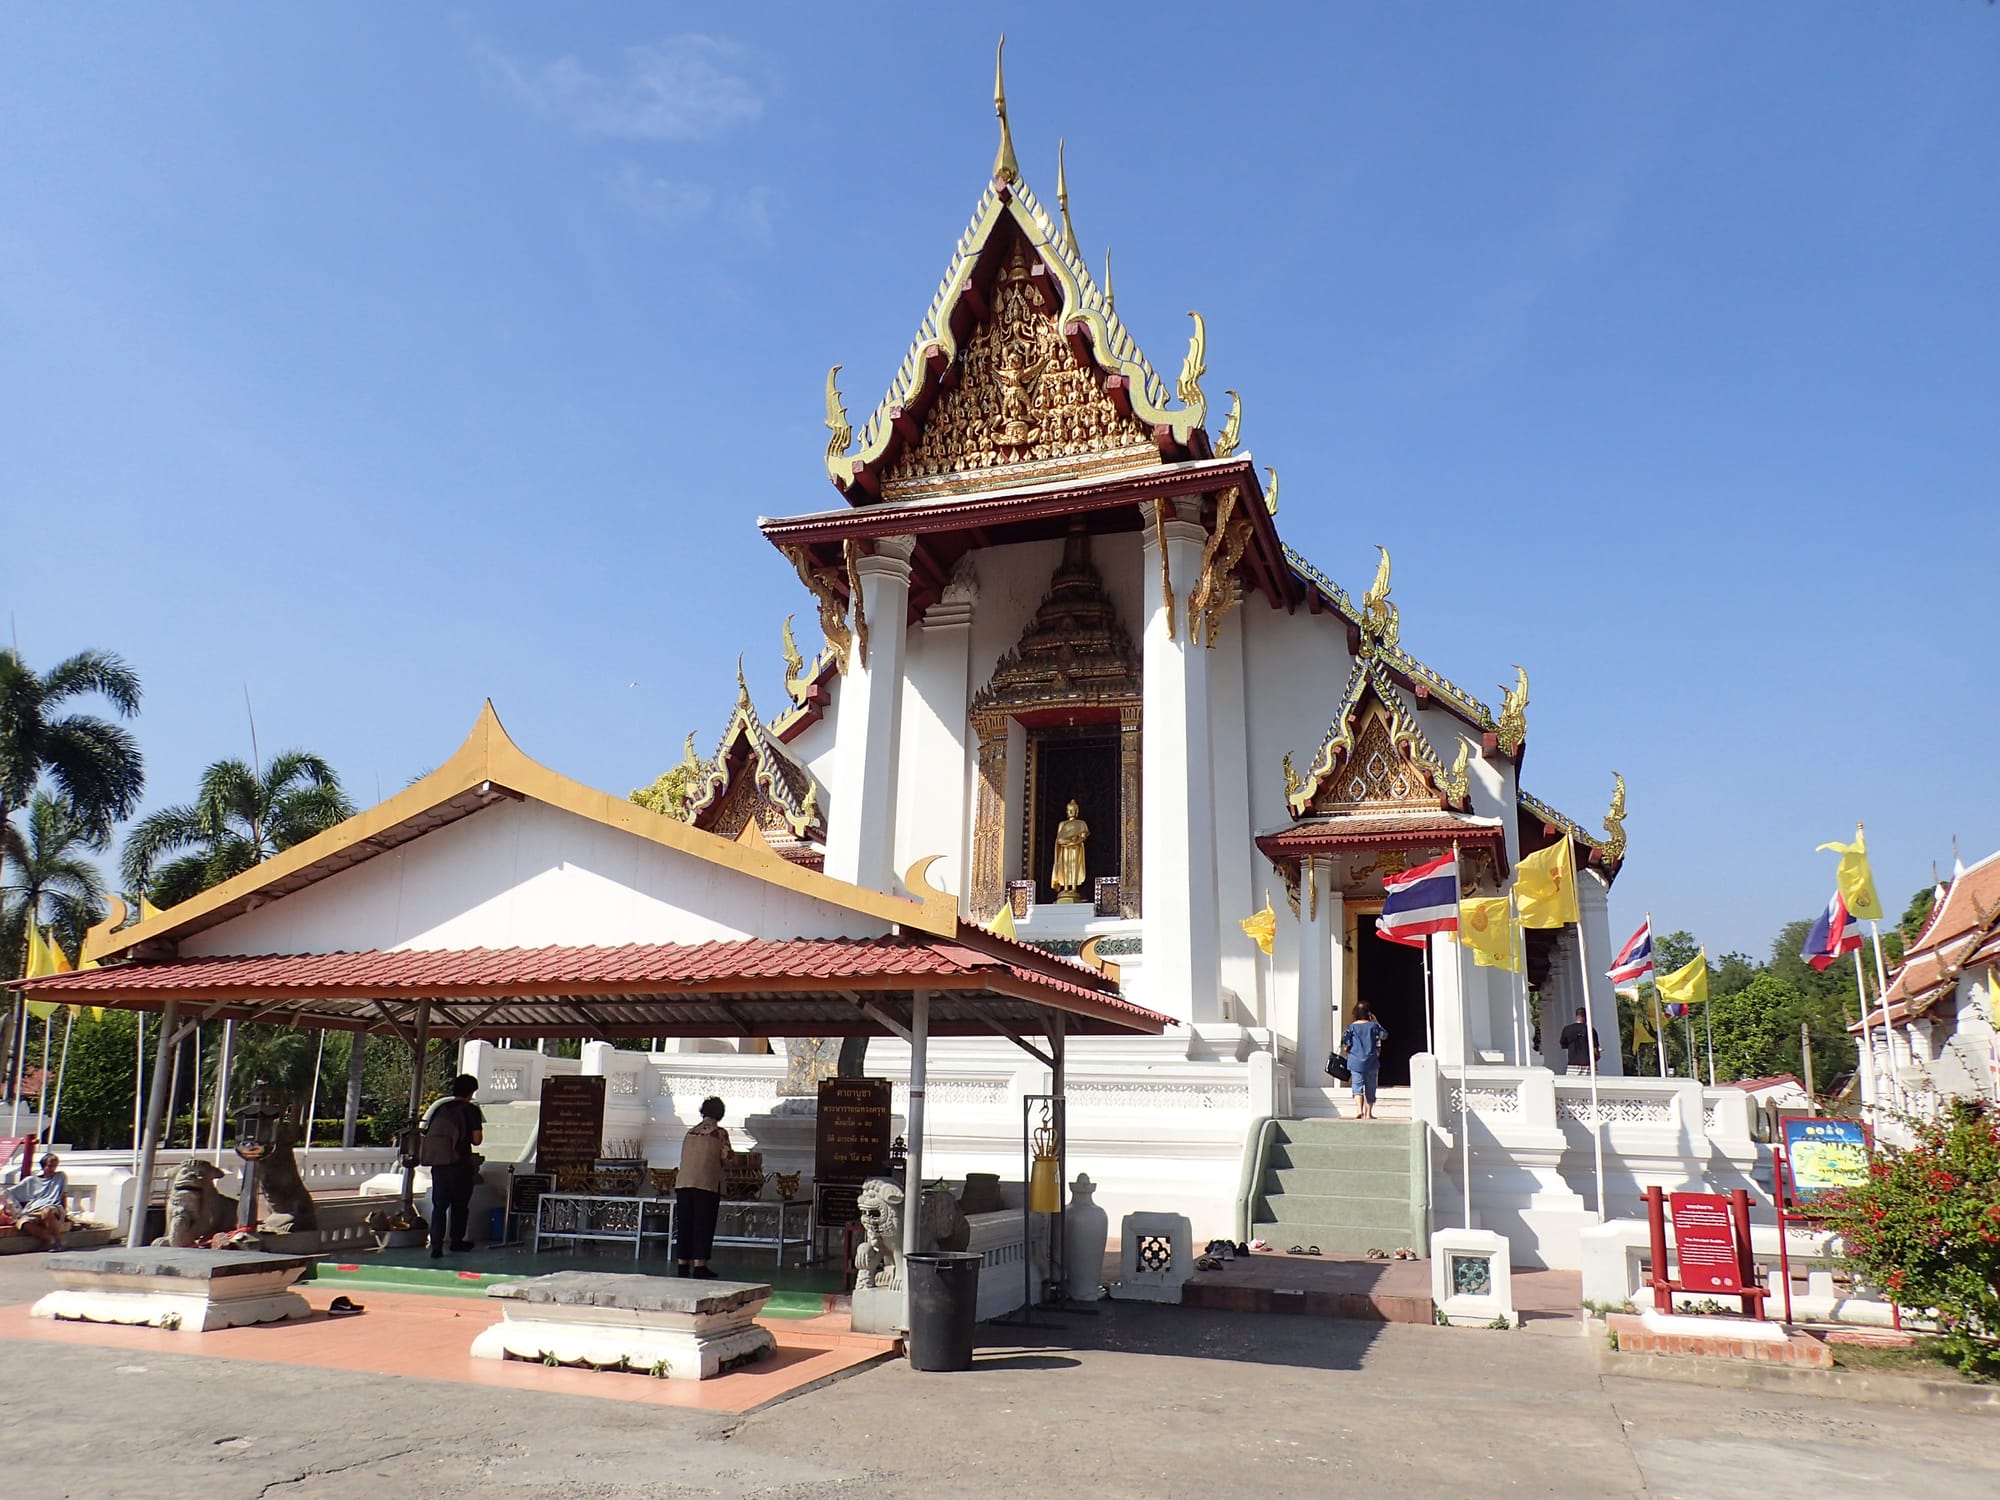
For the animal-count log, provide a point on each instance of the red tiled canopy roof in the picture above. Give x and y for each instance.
(751, 987)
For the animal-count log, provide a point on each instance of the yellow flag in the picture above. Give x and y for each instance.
(1687, 985)
(44, 958)
(1642, 1034)
(1486, 926)
(1262, 927)
(1003, 922)
(1855, 879)
(1545, 886)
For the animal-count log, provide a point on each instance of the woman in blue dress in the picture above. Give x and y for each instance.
(1361, 1045)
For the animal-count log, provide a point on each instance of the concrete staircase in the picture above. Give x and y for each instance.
(1347, 1186)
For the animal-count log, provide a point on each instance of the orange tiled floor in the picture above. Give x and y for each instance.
(430, 1337)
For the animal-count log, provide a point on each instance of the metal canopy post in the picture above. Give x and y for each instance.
(419, 1045)
(149, 1149)
(913, 1174)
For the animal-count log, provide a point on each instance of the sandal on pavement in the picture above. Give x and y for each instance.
(1296, 1250)
(1374, 1254)
(1312, 1249)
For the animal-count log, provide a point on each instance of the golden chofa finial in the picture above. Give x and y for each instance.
(742, 686)
(1192, 369)
(1062, 196)
(1271, 492)
(836, 418)
(1110, 298)
(1005, 167)
(1232, 427)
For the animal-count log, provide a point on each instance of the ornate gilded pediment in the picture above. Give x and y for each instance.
(1374, 756)
(1073, 652)
(1023, 408)
(754, 781)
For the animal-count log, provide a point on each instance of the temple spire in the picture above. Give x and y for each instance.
(1062, 195)
(1110, 301)
(1005, 167)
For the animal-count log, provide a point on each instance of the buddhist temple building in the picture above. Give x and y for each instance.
(1073, 679)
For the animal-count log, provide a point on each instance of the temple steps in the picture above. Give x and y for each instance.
(1347, 1186)
(1333, 1103)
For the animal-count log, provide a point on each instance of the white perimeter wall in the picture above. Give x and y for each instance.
(524, 875)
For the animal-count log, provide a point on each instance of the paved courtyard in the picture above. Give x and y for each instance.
(1138, 1401)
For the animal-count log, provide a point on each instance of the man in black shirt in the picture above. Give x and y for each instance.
(1579, 1044)
(452, 1127)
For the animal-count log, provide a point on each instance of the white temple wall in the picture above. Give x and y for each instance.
(523, 875)
(1294, 668)
(1243, 964)
(932, 781)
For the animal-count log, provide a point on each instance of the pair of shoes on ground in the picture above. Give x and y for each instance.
(1305, 1250)
(697, 1273)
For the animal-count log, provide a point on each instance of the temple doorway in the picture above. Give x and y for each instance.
(1079, 764)
(1390, 977)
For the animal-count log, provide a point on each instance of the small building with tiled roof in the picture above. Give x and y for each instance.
(1941, 1039)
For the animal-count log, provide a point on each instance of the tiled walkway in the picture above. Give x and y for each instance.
(431, 1337)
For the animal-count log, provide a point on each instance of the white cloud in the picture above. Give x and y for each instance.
(659, 201)
(681, 89)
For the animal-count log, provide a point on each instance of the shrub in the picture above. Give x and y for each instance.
(1925, 1228)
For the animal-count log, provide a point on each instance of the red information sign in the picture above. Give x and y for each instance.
(1705, 1242)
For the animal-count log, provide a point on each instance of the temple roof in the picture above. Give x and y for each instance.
(1009, 214)
(718, 801)
(1962, 935)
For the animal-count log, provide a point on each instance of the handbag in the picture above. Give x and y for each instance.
(1337, 1066)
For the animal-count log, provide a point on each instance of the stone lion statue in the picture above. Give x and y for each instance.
(878, 1259)
(195, 1208)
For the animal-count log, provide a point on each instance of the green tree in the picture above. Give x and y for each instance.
(671, 791)
(1925, 1228)
(47, 879)
(93, 763)
(239, 818)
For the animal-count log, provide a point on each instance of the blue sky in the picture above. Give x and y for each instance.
(381, 359)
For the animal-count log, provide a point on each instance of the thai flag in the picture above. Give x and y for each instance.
(1419, 902)
(1635, 960)
(1833, 934)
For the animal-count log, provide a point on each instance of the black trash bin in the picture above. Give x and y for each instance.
(944, 1305)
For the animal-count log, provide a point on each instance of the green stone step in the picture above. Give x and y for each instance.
(1342, 1158)
(1339, 1182)
(1305, 1208)
(1333, 1239)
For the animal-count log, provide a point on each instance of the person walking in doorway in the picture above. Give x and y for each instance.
(452, 1126)
(1361, 1045)
(698, 1191)
(1579, 1044)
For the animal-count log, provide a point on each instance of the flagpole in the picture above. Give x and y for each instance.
(1867, 1054)
(1708, 1022)
(1659, 1040)
(1888, 1032)
(62, 1067)
(42, 1098)
(138, 1090)
(1520, 980)
(194, 1109)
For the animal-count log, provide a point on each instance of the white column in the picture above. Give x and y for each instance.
(1242, 963)
(861, 822)
(1182, 973)
(1593, 900)
(932, 775)
(1318, 928)
(1558, 1002)
(1448, 1010)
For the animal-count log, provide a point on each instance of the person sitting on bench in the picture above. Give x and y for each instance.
(36, 1205)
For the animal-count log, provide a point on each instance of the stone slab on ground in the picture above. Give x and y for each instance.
(1717, 1338)
(679, 1327)
(1371, 1291)
(80, 1237)
(192, 1291)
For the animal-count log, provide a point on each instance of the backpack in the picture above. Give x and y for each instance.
(443, 1140)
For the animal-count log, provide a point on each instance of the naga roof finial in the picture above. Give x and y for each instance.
(1232, 427)
(1062, 195)
(742, 687)
(836, 418)
(1110, 300)
(1005, 167)
(1192, 369)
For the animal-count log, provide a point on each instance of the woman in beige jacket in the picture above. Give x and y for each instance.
(698, 1191)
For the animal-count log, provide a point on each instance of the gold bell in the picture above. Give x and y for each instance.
(1044, 1180)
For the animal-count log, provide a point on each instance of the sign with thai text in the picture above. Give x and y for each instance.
(571, 1129)
(1705, 1243)
(853, 1138)
(1822, 1156)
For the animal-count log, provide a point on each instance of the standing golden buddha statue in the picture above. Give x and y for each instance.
(1068, 875)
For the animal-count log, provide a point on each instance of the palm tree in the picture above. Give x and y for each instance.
(238, 819)
(47, 879)
(94, 764)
